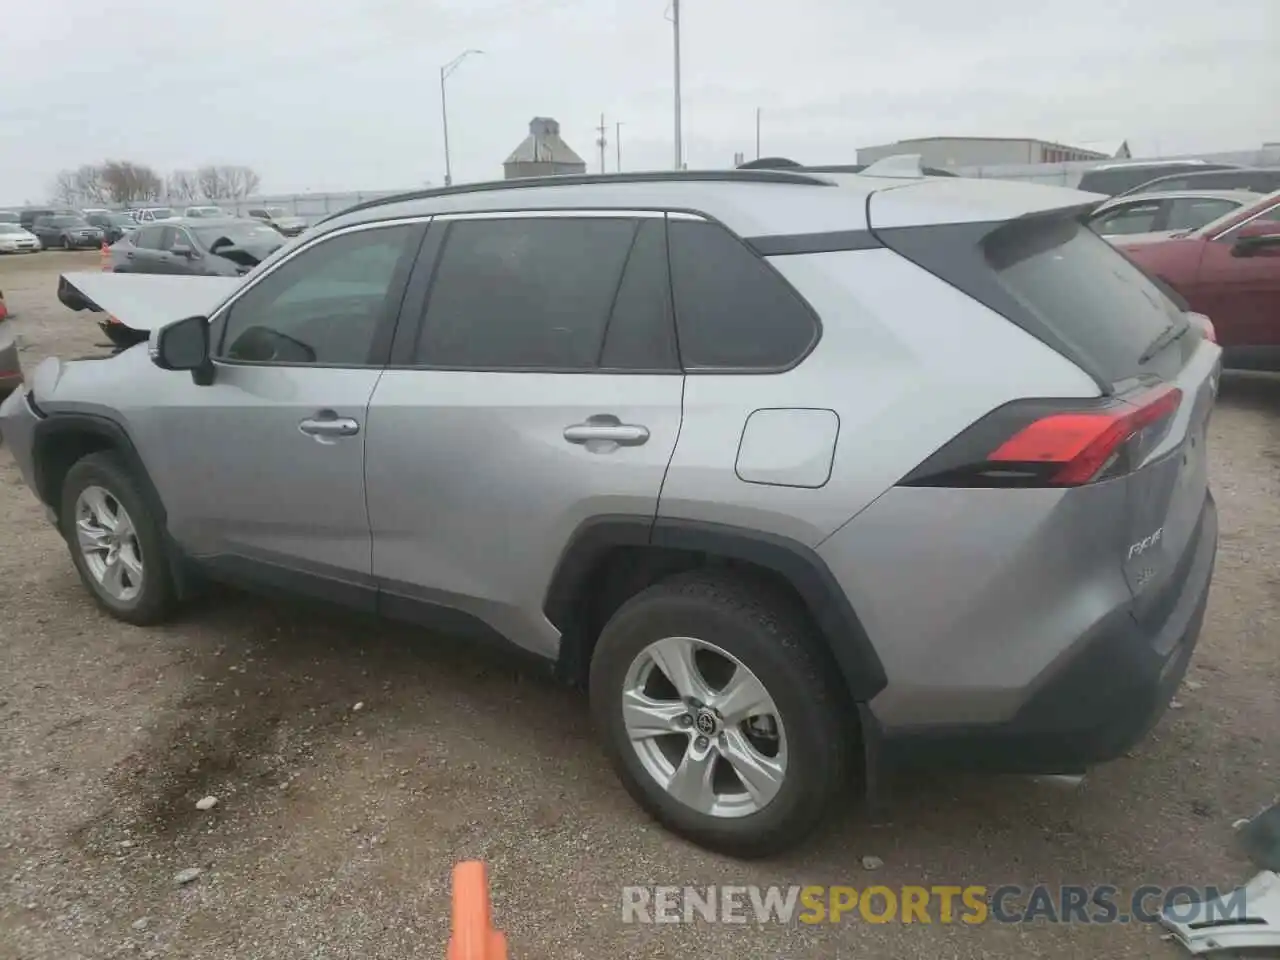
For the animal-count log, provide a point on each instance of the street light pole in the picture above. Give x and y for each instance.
(447, 69)
(757, 133)
(617, 142)
(679, 137)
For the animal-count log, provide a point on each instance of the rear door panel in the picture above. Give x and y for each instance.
(486, 453)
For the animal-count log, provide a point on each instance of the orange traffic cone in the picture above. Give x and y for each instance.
(104, 258)
(473, 936)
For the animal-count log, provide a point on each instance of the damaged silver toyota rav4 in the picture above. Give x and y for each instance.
(800, 474)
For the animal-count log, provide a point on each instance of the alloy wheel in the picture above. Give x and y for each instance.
(108, 543)
(704, 727)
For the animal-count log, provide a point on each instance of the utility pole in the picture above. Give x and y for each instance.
(617, 142)
(447, 69)
(757, 133)
(602, 141)
(679, 138)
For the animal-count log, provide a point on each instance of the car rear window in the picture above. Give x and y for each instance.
(1051, 275)
(1081, 288)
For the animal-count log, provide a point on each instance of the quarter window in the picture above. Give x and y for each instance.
(732, 309)
(324, 305)
(525, 293)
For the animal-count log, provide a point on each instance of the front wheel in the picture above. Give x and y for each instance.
(115, 540)
(715, 706)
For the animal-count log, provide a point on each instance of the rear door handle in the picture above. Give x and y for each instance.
(327, 428)
(607, 429)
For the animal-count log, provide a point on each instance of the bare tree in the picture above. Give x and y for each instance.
(80, 187)
(209, 179)
(129, 182)
(183, 185)
(64, 188)
(91, 185)
(228, 181)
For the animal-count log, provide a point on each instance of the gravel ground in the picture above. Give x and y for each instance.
(336, 828)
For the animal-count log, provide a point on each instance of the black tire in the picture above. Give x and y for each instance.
(157, 598)
(767, 632)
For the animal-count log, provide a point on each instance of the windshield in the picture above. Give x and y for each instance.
(162, 213)
(6, 227)
(276, 212)
(120, 220)
(238, 235)
(66, 221)
(8, 217)
(204, 211)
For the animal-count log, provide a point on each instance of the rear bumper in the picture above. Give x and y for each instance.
(1094, 708)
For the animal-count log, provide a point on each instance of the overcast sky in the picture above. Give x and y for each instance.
(344, 94)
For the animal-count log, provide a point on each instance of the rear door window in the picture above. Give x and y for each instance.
(525, 293)
(148, 238)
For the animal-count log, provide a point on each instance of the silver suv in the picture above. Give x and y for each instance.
(799, 473)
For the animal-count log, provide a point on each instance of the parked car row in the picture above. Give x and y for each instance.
(1228, 270)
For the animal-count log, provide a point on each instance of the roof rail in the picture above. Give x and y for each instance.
(579, 179)
(907, 165)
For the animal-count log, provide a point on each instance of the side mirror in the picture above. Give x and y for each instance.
(184, 345)
(1255, 237)
(182, 250)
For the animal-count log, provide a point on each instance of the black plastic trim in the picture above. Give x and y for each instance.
(262, 576)
(48, 427)
(799, 565)
(1101, 703)
(782, 245)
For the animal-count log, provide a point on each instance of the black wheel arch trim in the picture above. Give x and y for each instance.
(57, 424)
(799, 565)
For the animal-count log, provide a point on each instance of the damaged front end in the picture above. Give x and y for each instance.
(134, 304)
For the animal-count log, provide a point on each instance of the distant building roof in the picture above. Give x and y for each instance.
(1108, 149)
(543, 145)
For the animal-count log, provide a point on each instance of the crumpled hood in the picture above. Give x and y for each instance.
(143, 301)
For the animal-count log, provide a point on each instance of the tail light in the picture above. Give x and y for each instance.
(1206, 326)
(1052, 443)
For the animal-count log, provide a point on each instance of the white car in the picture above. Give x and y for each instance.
(152, 214)
(1157, 216)
(16, 239)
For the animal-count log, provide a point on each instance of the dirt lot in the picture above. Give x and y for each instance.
(336, 827)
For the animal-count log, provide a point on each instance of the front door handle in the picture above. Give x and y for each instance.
(606, 429)
(327, 428)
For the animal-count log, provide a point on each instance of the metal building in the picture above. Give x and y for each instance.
(948, 152)
(542, 153)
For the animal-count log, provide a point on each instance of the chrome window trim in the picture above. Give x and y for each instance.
(567, 213)
(1244, 223)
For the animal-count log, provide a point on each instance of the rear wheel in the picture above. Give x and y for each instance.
(115, 540)
(710, 694)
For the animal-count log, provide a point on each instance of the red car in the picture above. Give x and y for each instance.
(1228, 270)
